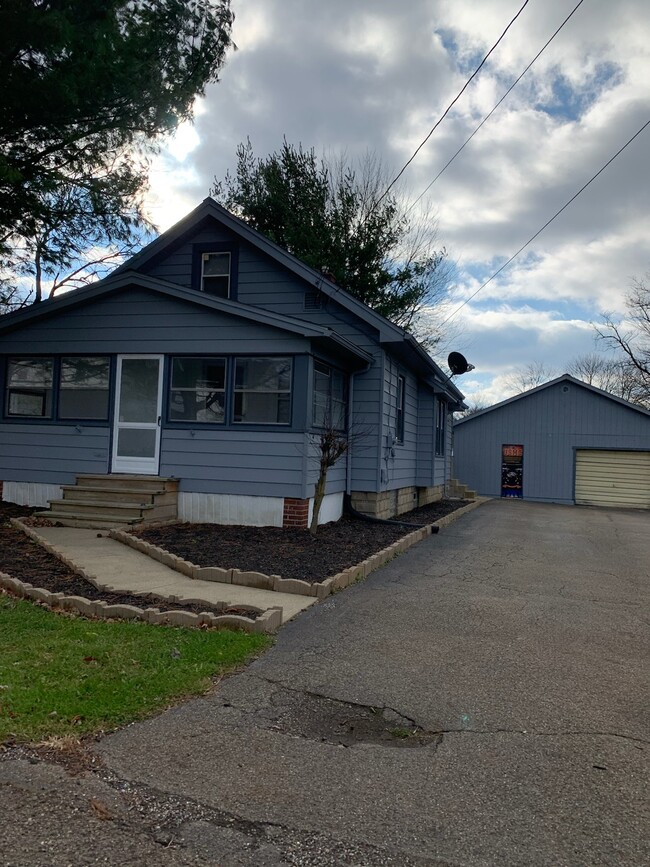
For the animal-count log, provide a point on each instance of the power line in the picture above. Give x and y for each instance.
(488, 116)
(547, 223)
(450, 106)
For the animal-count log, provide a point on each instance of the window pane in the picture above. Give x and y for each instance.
(215, 276)
(29, 387)
(330, 397)
(263, 374)
(263, 390)
(198, 390)
(133, 443)
(84, 388)
(139, 390)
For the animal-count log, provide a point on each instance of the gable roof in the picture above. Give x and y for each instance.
(566, 377)
(117, 282)
(394, 338)
(397, 340)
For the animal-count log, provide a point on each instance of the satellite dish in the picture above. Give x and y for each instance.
(458, 364)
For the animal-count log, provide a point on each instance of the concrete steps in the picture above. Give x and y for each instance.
(457, 489)
(104, 501)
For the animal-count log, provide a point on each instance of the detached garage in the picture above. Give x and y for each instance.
(562, 442)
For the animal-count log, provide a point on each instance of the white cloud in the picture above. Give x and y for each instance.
(351, 77)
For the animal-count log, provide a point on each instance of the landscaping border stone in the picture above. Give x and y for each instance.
(292, 585)
(269, 620)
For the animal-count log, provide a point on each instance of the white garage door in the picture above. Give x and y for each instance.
(610, 478)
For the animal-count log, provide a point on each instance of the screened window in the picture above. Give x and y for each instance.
(330, 397)
(29, 387)
(198, 390)
(441, 419)
(83, 387)
(262, 391)
(401, 407)
(215, 274)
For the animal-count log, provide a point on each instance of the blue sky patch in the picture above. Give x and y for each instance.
(570, 103)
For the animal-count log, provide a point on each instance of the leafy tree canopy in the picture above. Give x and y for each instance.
(87, 87)
(334, 219)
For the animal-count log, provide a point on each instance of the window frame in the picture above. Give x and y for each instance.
(234, 391)
(54, 416)
(199, 250)
(346, 394)
(37, 392)
(109, 395)
(400, 409)
(226, 379)
(440, 445)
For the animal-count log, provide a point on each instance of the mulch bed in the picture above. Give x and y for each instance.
(290, 553)
(24, 559)
(270, 550)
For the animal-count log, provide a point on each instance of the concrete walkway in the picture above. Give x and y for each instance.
(117, 567)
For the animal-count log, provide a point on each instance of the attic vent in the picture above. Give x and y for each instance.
(565, 388)
(313, 301)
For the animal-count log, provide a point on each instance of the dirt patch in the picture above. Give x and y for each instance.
(290, 553)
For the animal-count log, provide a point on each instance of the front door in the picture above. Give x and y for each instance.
(138, 410)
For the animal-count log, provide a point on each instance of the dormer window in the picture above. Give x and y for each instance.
(215, 274)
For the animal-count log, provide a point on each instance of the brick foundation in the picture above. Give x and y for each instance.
(390, 504)
(295, 512)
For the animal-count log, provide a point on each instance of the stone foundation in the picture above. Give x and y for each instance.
(390, 504)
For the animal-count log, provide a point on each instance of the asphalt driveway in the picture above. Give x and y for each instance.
(482, 700)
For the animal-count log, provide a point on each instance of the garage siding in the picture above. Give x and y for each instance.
(552, 423)
(613, 478)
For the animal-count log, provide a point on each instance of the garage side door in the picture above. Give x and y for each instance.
(611, 478)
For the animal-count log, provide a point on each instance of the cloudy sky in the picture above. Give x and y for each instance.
(357, 75)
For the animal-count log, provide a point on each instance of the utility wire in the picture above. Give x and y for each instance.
(488, 116)
(450, 106)
(547, 223)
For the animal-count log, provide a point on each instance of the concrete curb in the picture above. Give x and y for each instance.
(269, 620)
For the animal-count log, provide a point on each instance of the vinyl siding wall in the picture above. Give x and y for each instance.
(399, 467)
(138, 321)
(550, 425)
(266, 284)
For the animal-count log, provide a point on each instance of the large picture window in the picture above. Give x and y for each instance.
(83, 388)
(262, 391)
(330, 397)
(198, 390)
(29, 387)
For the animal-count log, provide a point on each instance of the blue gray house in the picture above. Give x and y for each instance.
(562, 442)
(206, 366)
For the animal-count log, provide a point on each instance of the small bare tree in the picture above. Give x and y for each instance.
(331, 445)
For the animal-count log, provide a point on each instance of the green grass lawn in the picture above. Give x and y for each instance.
(62, 675)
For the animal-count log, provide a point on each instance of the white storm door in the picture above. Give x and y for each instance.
(138, 411)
